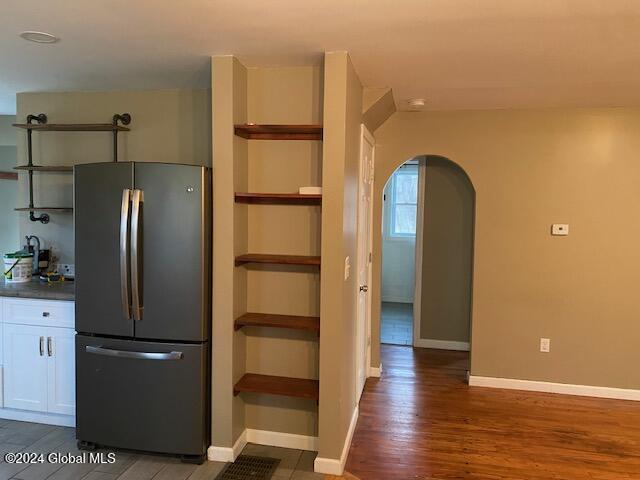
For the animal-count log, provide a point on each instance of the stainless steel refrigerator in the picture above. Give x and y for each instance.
(143, 310)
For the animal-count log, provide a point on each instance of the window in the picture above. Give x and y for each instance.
(403, 202)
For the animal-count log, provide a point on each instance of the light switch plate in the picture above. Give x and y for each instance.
(560, 229)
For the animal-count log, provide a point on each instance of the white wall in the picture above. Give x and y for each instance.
(398, 262)
(9, 240)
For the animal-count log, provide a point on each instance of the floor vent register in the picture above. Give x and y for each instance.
(247, 467)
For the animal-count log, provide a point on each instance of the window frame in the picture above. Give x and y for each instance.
(407, 169)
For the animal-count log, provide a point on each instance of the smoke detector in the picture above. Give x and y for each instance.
(416, 103)
(38, 37)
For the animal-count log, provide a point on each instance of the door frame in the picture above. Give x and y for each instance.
(417, 283)
(367, 136)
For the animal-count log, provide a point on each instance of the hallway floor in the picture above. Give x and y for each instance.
(422, 421)
(396, 326)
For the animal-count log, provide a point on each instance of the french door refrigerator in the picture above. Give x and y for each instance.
(142, 243)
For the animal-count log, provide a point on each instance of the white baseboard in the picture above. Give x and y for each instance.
(549, 387)
(227, 454)
(375, 371)
(441, 344)
(331, 466)
(280, 439)
(262, 437)
(38, 417)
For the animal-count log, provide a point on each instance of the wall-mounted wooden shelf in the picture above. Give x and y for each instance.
(271, 385)
(44, 168)
(8, 176)
(272, 320)
(278, 198)
(279, 132)
(72, 127)
(45, 209)
(308, 260)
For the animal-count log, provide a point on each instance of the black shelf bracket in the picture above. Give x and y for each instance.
(124, 119)
(41, 119)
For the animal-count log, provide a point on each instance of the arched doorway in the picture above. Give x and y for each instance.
(427, 255)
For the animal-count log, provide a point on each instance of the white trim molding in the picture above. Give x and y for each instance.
(280, 439)
(375, 371)
(549, 387)
(331, 466)
(441, 344)
(227, 454)
(262, 437)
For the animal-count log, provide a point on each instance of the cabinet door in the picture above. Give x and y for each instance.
(25, 367)
(61, 371)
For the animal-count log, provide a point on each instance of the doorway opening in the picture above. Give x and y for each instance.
(399, 217)
(428, 218)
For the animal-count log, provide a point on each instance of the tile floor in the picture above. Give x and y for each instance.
(37, 438)
(397, 323)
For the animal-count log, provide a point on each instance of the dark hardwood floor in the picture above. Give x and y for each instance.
(422, 421)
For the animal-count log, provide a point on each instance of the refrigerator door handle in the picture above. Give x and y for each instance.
(135, 250)
(124, 254)
(108, 352)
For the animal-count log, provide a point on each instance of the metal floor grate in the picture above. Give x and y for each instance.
(247, 467)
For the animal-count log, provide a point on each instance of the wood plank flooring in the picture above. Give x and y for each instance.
(422, 421)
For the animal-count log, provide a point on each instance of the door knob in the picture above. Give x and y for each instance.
(364, 288)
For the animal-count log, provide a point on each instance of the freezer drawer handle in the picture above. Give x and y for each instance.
(140, 355)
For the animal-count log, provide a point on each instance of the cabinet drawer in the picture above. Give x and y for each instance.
(38, 312)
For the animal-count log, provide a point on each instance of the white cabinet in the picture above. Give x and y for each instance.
(25, 367)
(38, 355)
(61, 371)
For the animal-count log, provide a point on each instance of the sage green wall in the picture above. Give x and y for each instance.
(447, 248)
(171, 126)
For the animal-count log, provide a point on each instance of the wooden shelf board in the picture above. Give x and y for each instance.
(271, 385)
(72, 127)
(279, 132)
(44, 168)
(8, 176)
(45, 209)
(278, 259)
(294, 322)
(278, 198)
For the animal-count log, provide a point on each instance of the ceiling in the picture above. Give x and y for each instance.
(458, 54)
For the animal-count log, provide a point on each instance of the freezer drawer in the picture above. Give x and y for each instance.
(142, 395)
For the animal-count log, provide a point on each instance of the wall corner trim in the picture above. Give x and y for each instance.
(561, 388)
(442, 344)
(332, 466)
(227, 454)
(375, 371)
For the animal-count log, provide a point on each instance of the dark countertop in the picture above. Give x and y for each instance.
(39, 290)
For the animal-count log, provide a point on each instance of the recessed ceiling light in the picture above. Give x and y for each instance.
(416, 102)
(39, 37)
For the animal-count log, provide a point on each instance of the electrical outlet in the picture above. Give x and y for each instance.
(66, 269)
(545, 345)
(560, 229)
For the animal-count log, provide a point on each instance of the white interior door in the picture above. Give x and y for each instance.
(365, 213)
